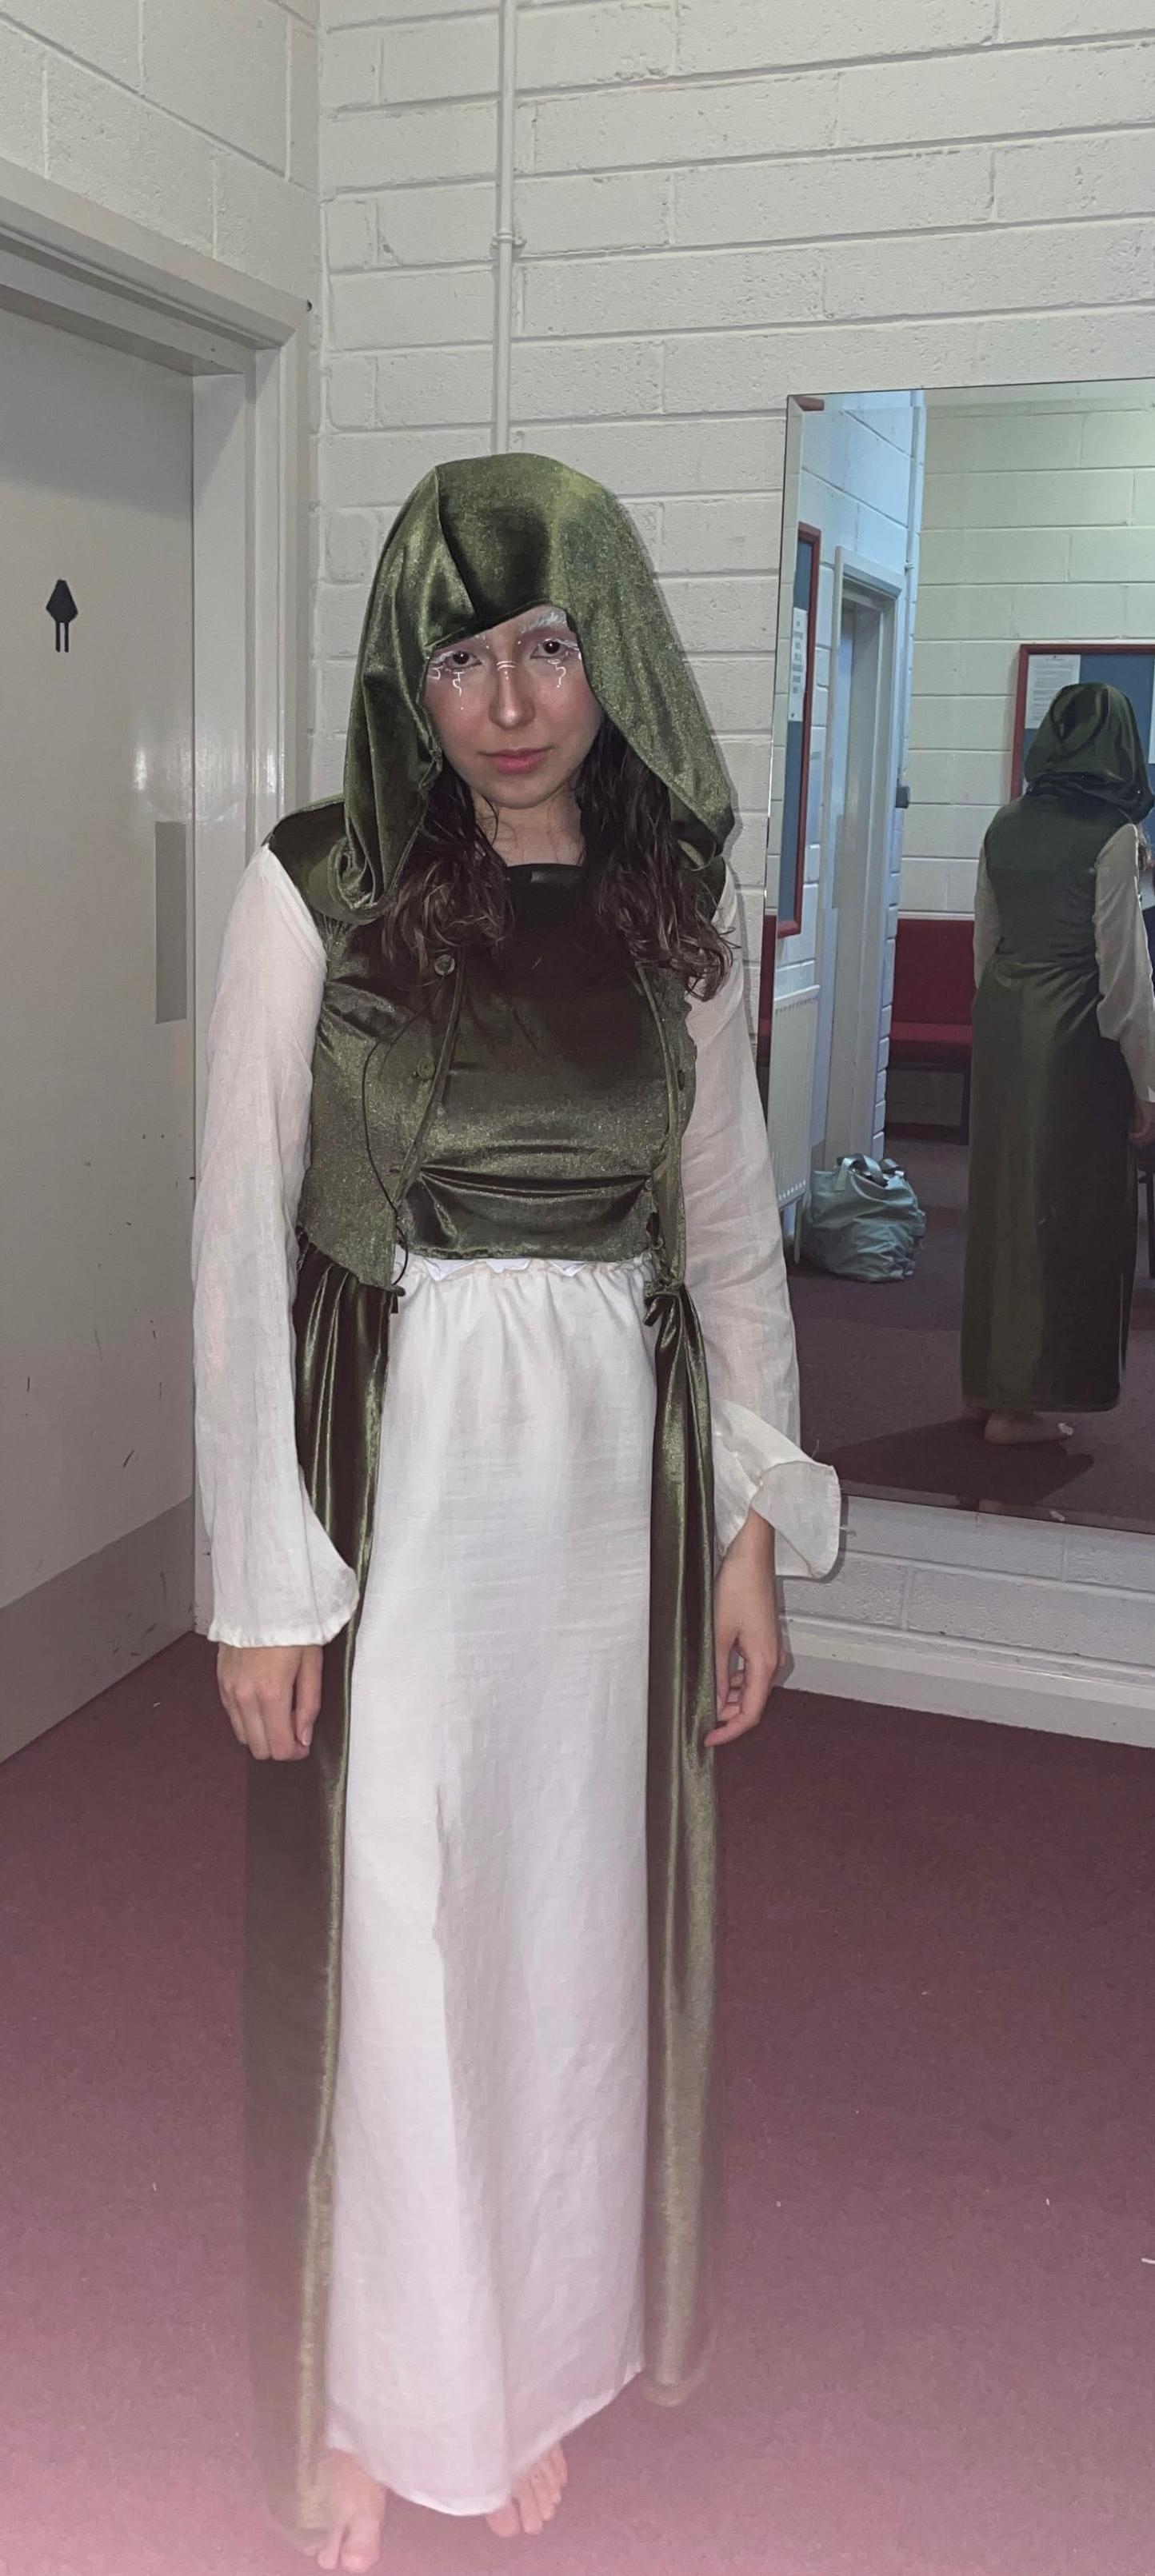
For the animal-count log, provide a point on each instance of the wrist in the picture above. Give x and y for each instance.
(754, 1543)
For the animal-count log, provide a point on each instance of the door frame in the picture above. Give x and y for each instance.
(855, 576)
(244, 345)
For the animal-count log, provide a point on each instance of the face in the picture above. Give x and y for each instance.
(514, 709)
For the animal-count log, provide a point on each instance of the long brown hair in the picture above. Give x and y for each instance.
(454, 889)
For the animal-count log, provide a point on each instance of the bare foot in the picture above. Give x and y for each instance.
(975, 1412)
(357, 2506)
(1025, 1430)
(535, 2498)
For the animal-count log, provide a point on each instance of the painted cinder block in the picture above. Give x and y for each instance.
(635, 129)
(221, 66)
(426, 62)
(22, 72)
(263, 225)
(745, 35)
(128, 155)
(103, 33)
(1040, 90)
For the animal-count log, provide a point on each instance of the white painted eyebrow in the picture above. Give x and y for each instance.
(539, 621)
(545, 617)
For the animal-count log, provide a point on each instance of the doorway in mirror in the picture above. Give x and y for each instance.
(969, 556)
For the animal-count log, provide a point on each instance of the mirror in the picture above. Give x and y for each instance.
(950, 562)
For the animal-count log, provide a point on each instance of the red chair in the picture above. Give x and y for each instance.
(934, 990)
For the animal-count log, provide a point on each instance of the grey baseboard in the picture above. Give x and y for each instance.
(66, 1641)
(961, 1677)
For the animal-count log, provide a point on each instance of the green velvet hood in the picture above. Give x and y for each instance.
(477, 542)
(1088, 743)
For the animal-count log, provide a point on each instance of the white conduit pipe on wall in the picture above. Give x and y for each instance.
(506, 241)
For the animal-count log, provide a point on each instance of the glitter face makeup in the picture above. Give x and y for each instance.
(514, 709)
(544, 655)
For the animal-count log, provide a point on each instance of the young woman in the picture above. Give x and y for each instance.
(1063, 1077)
(530, 1497)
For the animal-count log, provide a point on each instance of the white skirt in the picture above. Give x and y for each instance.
(490, 2118)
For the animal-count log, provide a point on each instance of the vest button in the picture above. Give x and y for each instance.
(444, 965)
(424, 1069)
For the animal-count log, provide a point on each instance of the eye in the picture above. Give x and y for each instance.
(557, 648)
(458, 658)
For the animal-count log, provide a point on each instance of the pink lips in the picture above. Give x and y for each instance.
(512, 763)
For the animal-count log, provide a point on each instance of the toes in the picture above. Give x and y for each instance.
(546, 2488)
(544, 2495)
(361, 2545)
(525, 2500)
(535, 2498)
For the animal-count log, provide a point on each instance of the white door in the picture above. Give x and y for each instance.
(856, 829)
(96, 1058)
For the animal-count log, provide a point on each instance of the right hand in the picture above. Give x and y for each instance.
(1142, 1129)
(272, 1695)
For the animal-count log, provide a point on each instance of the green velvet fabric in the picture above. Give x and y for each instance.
(536, 1107)
(1051, 1226)
(478, 542)
(529, 1100)
(1088, 745)
(294, 1881)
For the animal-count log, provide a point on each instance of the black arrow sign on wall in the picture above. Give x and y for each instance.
(63, 608)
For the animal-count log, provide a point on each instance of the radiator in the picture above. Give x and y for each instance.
(793, 1031)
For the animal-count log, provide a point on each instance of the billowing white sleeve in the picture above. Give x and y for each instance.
(736, 1275)
(277, 1578)
(987, 928)
(1126, 994)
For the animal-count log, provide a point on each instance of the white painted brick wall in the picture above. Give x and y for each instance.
(198, 118)
(1039, 524)
(929, 1574)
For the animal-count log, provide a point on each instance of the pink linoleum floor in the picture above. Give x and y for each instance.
(939, 2346)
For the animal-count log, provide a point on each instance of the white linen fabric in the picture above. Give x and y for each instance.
(490, 2113)
(490, 2118)
(1126, 993)
(1126, 997)
(277, 1578)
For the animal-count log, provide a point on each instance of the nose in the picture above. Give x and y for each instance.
(511, 703)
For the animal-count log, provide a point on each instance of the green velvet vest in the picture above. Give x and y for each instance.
(536, 1108)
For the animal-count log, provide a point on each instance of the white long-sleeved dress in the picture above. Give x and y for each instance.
(490, 2115)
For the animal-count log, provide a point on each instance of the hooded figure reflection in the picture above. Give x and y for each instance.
(1063, 1077)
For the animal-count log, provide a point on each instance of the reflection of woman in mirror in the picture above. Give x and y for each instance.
(1063, 1077)
(494, 994)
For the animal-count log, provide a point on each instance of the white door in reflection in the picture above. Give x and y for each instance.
(857, 830)
(96, 1063)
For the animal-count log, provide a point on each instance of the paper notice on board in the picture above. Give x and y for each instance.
(1047, 673)
(798, 640)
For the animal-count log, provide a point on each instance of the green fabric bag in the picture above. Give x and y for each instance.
(862, 1220)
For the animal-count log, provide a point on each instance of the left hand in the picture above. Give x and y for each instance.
(748, 1653)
